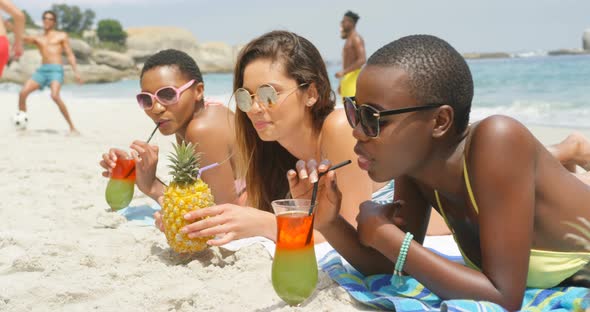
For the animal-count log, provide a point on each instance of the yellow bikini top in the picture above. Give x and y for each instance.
(546, 268)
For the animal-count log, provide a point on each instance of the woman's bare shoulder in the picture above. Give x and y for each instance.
(501, 142)
(499, 131)
(216, 122)
(336, 123)
(336, 135)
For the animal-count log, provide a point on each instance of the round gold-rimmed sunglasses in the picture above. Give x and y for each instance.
(265, 94)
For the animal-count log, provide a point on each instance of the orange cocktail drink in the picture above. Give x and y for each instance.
(294, 267)
(119, 191)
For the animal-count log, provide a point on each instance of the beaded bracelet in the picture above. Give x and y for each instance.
(401, 258)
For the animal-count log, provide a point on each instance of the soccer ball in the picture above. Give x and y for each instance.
(20, 120)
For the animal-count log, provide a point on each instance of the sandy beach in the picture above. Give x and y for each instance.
(61, 249)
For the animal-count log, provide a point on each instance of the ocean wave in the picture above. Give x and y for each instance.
(561, 114)
(527, 54)
(533, 112)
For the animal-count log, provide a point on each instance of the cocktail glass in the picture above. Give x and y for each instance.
(294, 267)
(119, 191)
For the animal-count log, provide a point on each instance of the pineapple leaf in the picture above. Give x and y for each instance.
(584, 230)
(579, 240)
(184, 163)
(583, 238)
(585, 222)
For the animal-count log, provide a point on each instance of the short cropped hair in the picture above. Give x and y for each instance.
(438, 74)
(353, 16)
(171, 57)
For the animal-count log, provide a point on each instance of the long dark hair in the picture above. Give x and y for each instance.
(264, 164)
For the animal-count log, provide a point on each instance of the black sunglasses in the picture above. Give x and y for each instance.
(369, 117)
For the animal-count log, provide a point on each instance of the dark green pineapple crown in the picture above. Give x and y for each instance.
(185, 163)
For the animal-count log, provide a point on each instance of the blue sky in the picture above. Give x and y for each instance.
(469, 25)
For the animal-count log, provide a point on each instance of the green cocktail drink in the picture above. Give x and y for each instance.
(120, 188)
(294, 267)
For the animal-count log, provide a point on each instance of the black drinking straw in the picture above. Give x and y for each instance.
(148, 141)
(314, 194)
(153, 132)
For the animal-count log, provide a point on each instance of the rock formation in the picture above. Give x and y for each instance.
(99, 65)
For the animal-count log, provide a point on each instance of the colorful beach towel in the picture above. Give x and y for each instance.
(384, 195)
(142, 215)
(377, 291)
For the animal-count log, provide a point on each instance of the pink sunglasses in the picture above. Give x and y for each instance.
(168, 95)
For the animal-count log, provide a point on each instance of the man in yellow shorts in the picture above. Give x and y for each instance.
(353, 54)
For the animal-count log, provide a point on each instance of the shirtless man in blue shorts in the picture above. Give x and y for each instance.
(52, 44)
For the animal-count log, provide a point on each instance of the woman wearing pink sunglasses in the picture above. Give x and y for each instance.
(173, 96)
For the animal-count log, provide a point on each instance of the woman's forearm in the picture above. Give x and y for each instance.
(343, 237)
(156, 190)
(447, 279)
(269, 228)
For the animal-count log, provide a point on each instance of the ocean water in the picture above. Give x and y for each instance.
(546, 90)
(537, 90)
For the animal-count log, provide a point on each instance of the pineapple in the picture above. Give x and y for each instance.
(186, 192)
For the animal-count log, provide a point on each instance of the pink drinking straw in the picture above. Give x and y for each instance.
(211, 166)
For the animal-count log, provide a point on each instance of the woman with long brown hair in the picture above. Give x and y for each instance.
(285, 112)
